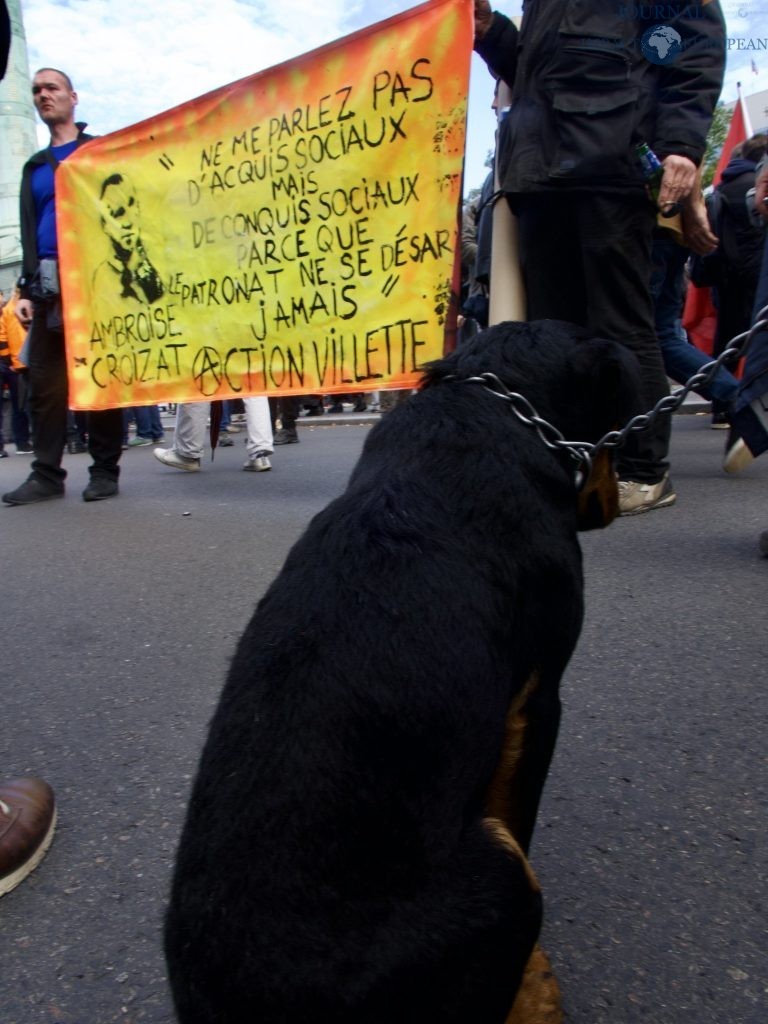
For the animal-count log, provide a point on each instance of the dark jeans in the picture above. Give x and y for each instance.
(751, 418)
(586, 258)
(735, 298)
(48, 400)
(19, 419)
(682, 360)
(148, 422)
(77, 427)
(287, 409)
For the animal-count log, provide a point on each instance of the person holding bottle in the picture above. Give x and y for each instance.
(590, 83)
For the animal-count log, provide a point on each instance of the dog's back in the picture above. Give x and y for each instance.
(342, 858)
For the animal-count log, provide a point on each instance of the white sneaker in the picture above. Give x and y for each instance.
(170, 457)
(636, 496)
(258, 463)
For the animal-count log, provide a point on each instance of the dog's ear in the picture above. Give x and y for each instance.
(609, 373)
(436, 371)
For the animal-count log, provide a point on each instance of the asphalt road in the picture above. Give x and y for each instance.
(118, 620)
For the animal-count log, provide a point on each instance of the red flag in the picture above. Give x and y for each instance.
(738, 131)
(699, 313)
(700, 318)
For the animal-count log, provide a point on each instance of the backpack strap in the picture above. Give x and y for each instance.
(715, 202)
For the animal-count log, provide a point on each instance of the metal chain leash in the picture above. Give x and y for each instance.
(583, 452)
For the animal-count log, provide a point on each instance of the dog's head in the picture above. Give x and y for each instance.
(583, 386)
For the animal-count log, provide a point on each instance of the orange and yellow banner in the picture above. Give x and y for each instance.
(294, 232)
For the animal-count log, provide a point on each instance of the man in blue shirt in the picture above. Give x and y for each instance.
(40, 309)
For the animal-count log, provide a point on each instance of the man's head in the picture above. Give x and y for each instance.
(120, 213)
(754, 149)
(54, 97)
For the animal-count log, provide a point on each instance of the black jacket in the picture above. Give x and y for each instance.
(741, 241)
(484, 233)
(584, 91)
(28, 215)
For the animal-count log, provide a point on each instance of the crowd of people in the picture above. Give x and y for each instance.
(595, 250)
(12, 378)
(597, 246)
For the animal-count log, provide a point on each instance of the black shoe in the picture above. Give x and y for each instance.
(360, 407)
(3, 453)
(315, 410)
(99, 488)
(286, 436)
(336, 408)
(33, 490)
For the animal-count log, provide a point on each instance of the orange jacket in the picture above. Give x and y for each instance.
(12, 334)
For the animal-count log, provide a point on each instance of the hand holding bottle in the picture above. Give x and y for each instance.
(669, 181)
(677, 181)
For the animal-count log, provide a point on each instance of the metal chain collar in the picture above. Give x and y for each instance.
(584, 452)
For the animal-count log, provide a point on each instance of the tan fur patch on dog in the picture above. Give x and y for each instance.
(598, 502)
(538, 999)
(504, 837)
(499, 798)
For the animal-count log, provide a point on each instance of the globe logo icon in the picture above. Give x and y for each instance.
(661, 44)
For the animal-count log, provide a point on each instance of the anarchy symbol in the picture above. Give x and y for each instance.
(206, 371)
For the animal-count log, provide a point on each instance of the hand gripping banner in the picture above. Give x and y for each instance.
(292, 233)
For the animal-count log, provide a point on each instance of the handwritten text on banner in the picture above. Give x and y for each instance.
(294, 232)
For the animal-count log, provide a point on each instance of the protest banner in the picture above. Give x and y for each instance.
(292, 233)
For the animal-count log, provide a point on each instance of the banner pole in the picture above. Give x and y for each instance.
(744, 112)
(507, 295)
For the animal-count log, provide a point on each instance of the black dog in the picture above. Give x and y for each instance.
(354, 850)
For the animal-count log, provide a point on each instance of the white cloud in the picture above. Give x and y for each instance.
(131, 59)
(747, 41)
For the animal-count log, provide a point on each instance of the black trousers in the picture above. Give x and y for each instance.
(735, 298)
(586, 258)
(48, 403)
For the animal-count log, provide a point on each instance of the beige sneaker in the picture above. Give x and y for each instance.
(636, 496)
(737, 455)
(258, 463)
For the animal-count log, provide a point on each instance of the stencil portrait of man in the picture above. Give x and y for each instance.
(127, 274)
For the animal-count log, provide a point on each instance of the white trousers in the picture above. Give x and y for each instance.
(192, 420)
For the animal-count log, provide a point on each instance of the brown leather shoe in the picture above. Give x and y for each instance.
(27, 823)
